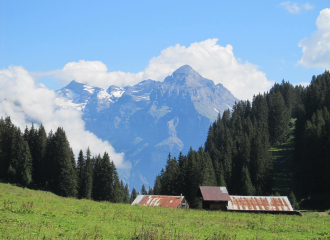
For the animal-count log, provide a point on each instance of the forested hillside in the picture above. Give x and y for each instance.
(236, 153)
(33, 159)
(312, 146)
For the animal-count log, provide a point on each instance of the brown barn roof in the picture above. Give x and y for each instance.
(214, 193)
(161, 201)
(248, 203)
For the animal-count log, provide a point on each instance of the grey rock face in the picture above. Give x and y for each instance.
(151, 119)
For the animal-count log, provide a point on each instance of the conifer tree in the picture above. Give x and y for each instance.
(293, 201)
(133, 195)
(207, 171)
(150, 191)
(50, 169)
(279, 117)
(157, 186)
(105, 179)
(88, 184)
(182, 184)
(221, 180)
(247, 187)
(126, 194)
(1, 154)
(143, 190)
(117, 194)
(81, 171)
(21, 162)
(7, 139)
(38, 156)
(63, 175)
(169, 180)
(122, 191)
(97, 179)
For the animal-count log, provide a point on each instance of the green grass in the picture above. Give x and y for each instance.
(30, 214)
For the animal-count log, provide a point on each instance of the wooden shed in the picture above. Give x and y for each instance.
(214, 198)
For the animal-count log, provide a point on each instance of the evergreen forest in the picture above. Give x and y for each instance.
(237, 154)
(36, 160)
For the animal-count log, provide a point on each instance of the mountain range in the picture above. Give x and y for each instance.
(151, 119)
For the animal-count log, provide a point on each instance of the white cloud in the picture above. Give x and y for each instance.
(292, 7)
(307, 6)
(94, 73)
(211, 60)
(25, 102)
(316, 50)
(214, 62)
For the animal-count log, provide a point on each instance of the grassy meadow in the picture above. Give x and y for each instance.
(30, 214)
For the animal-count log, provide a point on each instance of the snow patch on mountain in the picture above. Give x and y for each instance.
(89, 89)
(144, 97)
(65, 103)
(118, 94)
(229, 107)
(104, 100)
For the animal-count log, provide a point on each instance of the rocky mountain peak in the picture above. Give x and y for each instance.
(186, 76)
(185, 69)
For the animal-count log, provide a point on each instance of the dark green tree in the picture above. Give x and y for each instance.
(38, 156)
(117, 195)
(133, 195)
(126, 194)
(104, 179)
(293, 201)
(21, 161)
(150, 191)
(157, 186)
(279, 118)
(97, 179)
(81, 171)
(169, 179)
(143, 190)
(247, 186)
(61, 169)
(88, 179)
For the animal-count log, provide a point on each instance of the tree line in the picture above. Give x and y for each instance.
(236, 152)
(312, 146)
(37, 160)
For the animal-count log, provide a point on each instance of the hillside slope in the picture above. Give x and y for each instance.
(29, 214)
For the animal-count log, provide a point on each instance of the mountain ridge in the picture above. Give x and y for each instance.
(150, 119)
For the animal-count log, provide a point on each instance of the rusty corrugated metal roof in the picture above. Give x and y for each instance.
(161, 201)
(214, 193)
(248, 203)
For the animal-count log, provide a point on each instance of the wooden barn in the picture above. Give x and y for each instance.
(161, 201)
(214, 198)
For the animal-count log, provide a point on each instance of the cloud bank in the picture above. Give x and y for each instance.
(316, 50)
(26, 102)
(211, 60)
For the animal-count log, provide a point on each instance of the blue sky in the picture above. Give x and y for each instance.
(43, 36)
(245, 45)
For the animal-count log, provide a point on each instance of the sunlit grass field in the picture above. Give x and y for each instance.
(29, 214)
